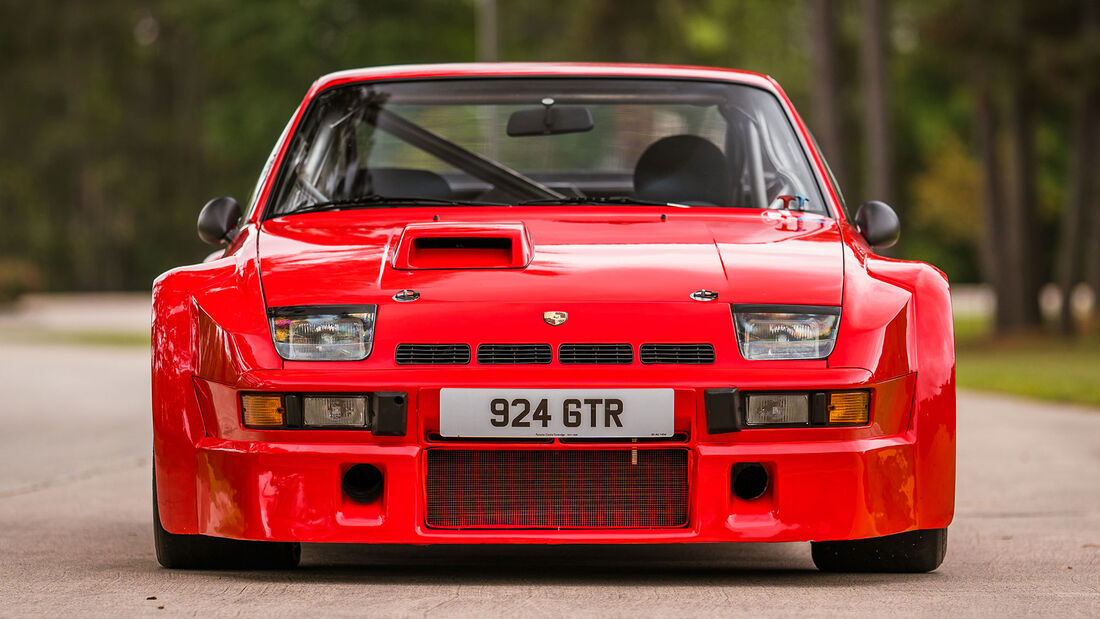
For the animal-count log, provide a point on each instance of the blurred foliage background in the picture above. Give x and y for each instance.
(976, 120)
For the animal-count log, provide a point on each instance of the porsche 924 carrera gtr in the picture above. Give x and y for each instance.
(551, 303)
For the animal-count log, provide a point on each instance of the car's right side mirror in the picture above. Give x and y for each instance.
(218, 221)
(878, 223)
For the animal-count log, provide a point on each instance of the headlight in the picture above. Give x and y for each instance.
(323, 333)
(785, 331)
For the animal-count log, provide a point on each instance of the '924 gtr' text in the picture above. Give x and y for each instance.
(571, 411)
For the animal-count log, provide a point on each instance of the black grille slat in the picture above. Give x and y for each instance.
(596, 354)
(692, 354)
(679, 437)
(432, 354)
(514, 354)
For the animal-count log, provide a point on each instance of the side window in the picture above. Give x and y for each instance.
(832, 178)
(254, 197)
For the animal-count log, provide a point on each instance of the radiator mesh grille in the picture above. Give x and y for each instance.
(515, 489)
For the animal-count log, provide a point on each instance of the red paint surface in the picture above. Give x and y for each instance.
(623, 275)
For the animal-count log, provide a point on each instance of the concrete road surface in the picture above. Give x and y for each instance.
(75, 530)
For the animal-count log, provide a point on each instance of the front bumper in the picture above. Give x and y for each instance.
(837, 490)
(824, 483)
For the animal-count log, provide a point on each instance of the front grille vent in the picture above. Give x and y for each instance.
(432, 354)
(557, 489)
(514, 354)
(596, 354)
(695, 354)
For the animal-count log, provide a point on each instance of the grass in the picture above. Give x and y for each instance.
(78, 338)
(1037, 366)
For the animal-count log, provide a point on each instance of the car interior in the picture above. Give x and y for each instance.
(727, 145)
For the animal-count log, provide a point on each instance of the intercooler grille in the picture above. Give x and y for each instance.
(596, 354)
(514, 354)
(695, 354)
(589, 489)
(432, 354)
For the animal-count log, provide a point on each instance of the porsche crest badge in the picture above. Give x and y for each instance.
(555, 318)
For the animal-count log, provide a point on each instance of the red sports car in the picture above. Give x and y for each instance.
(551, 303)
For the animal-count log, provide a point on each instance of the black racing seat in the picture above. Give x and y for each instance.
(403, 183)
(686, 169)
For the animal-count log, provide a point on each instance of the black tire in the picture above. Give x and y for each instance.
(201, 552)
(913, 552)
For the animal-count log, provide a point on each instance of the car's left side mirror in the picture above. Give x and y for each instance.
(878, 223)
(218, 221)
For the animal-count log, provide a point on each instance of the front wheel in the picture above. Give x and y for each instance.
(913, 551)
(201, 552)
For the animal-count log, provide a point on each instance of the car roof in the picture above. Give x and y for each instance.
(537, 69)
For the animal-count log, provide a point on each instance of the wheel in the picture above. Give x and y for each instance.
(199, 552)
(914, 551)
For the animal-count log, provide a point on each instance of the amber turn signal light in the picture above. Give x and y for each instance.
(848, 407)
(263, 411)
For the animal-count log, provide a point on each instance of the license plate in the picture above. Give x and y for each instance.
(545, 413)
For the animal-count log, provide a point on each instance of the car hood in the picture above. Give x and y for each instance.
(746, 256)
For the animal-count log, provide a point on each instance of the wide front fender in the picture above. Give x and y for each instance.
(930, 341)
(208, 320)
(897, 320)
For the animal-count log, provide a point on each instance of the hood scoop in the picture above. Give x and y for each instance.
(463, 246)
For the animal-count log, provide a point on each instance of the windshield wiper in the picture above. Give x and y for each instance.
(378, 200)
(375, 200)
(596, 200)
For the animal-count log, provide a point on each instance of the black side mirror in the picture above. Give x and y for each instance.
(878, 223)
(218, 221)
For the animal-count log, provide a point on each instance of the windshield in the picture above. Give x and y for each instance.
(545, 141)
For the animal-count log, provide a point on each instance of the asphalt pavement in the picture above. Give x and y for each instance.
(76, 538)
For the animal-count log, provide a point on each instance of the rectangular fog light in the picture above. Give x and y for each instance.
(263, 411)
(848, 407)
(336, 411)
(766, 409)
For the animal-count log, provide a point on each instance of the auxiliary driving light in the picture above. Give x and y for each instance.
(332, 411)
(732, 410)
(382, 413)
(770, 409)
(263, 410)
(848, 407)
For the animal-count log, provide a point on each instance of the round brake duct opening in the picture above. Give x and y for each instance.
(363, 483)
(749, 480)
